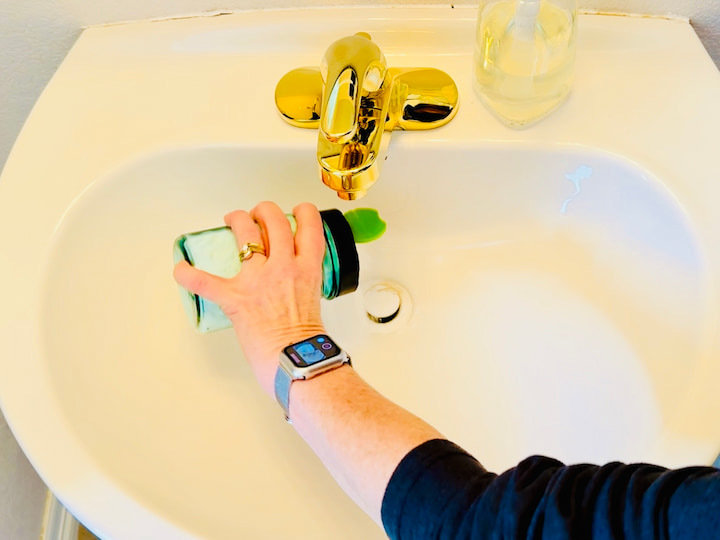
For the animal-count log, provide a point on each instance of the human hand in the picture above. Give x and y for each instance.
(275, 298)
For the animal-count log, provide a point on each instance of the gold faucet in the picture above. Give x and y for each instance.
(355, 101)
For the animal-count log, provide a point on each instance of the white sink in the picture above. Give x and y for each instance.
(560, 284)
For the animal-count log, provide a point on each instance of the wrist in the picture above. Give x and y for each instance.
(328, 390)
(263, 355)
(309, 359)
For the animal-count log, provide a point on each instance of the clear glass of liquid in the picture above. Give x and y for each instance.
(524, 57)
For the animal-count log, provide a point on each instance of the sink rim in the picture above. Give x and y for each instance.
(72, 158)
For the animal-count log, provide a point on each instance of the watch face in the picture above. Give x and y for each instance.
(311, 351)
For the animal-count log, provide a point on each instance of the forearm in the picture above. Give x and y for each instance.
(274, 301)
(359, 435)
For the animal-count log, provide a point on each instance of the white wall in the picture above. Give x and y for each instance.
(35, 35)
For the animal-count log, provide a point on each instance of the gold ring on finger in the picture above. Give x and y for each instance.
(248, 248)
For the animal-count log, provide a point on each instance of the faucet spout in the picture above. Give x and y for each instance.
(355, 101)
(352, 118)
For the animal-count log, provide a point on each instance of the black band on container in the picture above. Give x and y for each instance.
(345, 248)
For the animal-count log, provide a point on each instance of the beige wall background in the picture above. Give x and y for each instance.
(36, 35)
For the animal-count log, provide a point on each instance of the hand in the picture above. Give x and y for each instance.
(275, 298)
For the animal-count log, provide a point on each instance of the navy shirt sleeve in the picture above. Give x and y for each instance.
(439, 491)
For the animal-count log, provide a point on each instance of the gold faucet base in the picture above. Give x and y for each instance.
(354, 100)
(426, 98)
(298, 96)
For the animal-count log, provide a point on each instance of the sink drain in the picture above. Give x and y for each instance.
(382, 303)
(386, 304)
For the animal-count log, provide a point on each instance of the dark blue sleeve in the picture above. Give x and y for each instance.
(439, 491)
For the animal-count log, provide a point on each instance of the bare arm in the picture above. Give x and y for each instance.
(274, 301)
(359, 435)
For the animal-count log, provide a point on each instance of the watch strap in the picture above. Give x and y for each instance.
(283, 380)
(290, 367)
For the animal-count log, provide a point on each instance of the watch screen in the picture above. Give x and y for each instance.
(311, 351)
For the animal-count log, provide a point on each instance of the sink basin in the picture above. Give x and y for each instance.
(559, 285)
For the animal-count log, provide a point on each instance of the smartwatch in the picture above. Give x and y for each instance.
(304, 360)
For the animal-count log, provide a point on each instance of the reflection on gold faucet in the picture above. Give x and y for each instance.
(355, 101)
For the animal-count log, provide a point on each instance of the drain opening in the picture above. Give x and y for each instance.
(382, 303)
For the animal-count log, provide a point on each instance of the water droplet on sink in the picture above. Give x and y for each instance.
(583, 172)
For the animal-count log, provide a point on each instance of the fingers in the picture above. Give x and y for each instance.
(277, 235)
(246, 230)
(267, 225)
(310, 237)
(199, 282)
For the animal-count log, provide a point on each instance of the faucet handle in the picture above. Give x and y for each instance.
(351, 67)
(340, 103)
(423, 98)
(355, 101)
